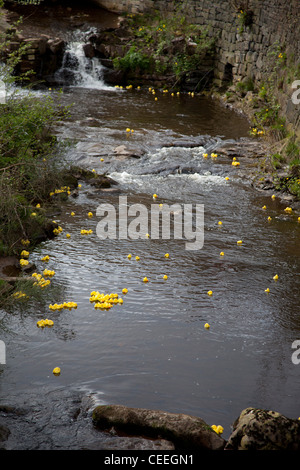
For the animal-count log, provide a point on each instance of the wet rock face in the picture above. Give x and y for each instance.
(184, 431)
(257, 429)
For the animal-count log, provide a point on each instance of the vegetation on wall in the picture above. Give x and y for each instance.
(165, 45)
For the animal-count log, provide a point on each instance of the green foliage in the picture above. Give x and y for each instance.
(25, 127)
(154, 44)
(133, 60)
(30, 156)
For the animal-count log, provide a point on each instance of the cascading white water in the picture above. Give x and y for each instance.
(79, 70)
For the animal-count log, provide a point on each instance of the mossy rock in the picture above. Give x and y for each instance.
(257, 429)
(184, 431)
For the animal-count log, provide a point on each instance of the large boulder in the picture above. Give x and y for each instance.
(184, 431)
(257, 429)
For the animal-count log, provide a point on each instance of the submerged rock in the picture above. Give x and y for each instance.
(184, 431)
(257, 429)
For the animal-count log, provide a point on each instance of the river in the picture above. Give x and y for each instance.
(153, 350)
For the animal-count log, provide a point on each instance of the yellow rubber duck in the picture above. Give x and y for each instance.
(124, 290)
(165, 277)
(145, 279)
(56, 371)
(220, 222)
(239, 242)
(288, 210)
(210, 293)
(267, 290)
(264, 207)
(167, 255)
(276, 277)
(207, 326)
(129, 256)
(137, 258)
(218, 429)
(222, 253)
(90, 214)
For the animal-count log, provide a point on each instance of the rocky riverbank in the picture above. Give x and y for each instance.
(254, 429)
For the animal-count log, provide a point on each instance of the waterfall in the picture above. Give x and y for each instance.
(79, 70)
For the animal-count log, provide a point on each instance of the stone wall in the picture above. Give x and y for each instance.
(243, 51)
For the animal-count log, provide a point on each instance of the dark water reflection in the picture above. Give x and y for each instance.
(153, 351)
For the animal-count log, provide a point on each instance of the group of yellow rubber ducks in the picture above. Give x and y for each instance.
(106, 301)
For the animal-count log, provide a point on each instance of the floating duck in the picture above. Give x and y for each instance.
(239, 242)
(207, 326)
(137, 258)
(20, 295)
(72, 214)
(222, 253)
(267, 290)
(269, 218)
(165, 277)
(218, 429)
(24, 254)
(220, 222)
(288, 210)
(64, 305)
(167, 255)
(147, 235)
(210, 293)
(24, 262)
(56, 371)
(264, 207)
(154, 196)
(235, 163)
(45, 258)
(273, 197)
(90, 214)
(124, 290)
(48, 273)
(298, 219)
(213, 155)
(205, 155)
(145, 279)
(129, 256)
(276, 277)
(226, 178)
(38, 206)
(68, 235)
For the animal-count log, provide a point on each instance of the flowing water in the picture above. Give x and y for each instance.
(153, 351)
